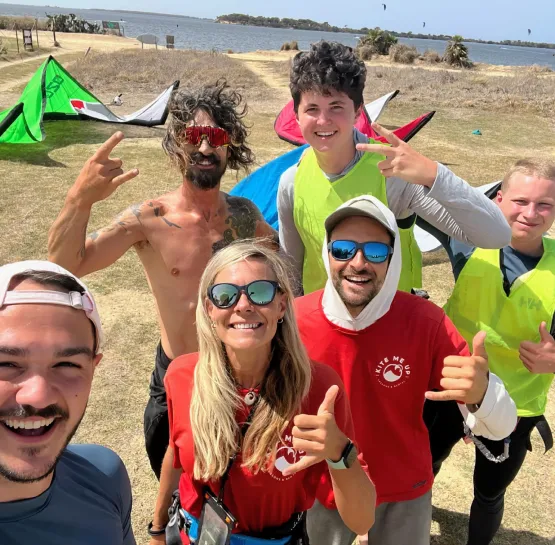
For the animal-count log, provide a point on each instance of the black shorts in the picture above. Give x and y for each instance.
(156, 424)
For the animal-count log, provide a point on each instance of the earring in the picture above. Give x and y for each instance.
(213, 325)
(280, 321)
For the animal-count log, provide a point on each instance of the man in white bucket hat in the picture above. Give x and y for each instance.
(50, 345)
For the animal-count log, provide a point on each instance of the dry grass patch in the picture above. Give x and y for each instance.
(131, 71)
(523, 91)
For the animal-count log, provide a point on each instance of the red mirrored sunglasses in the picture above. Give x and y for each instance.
(215, 136)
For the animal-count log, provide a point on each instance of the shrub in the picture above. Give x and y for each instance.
(402, 53)
(431, 56)
(294, 45)
(539, 69)
(365, 52)
(285, 47)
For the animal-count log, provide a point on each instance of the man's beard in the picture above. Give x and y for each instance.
(48, 412)
(205, 179)
(358, 302)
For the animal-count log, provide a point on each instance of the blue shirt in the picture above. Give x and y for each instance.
(88, 503)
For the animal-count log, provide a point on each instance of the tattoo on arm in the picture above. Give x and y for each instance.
(123, 220)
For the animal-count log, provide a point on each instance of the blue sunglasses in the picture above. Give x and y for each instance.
(374, 252)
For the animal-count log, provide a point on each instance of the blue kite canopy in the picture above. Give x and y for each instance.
(262, 185)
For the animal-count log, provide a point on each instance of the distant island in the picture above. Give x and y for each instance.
(308, 24)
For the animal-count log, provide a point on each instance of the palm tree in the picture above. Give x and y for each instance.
(456, 53)
(380, 40)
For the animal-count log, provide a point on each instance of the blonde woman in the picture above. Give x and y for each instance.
(253, 421)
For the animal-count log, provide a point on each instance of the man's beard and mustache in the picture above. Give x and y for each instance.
(205, 179)
(26, 411)
(358, 301)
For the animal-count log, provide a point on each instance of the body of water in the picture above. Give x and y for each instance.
(205, 34)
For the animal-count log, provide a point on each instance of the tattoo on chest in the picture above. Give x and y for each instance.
(158, 214)
(242, 219)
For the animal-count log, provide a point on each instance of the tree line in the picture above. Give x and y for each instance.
(308, 24)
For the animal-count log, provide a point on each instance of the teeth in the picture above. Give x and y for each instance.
(357, 279)
(28, 424)
(324, 133)
(245, 326)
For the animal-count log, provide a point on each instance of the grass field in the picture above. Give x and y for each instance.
(514, 111)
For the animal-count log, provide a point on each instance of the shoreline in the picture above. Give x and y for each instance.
(75, 42)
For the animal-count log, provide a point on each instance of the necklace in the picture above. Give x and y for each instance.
(250, 397)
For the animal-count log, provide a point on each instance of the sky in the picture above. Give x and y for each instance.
(484, 19)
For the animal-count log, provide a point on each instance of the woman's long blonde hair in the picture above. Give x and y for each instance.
(215, 400)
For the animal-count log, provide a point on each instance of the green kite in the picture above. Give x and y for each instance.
(53, 94)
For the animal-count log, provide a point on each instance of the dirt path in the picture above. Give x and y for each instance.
(262, 63)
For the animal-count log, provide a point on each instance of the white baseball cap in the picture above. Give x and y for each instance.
(80, 301)
(359, 206)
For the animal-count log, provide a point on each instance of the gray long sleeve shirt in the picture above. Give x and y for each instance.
(451, 205)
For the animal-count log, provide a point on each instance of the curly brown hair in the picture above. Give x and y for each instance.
(224, 106)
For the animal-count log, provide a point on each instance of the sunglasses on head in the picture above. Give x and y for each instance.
(374, 252)
(259, 292)
(216, 136)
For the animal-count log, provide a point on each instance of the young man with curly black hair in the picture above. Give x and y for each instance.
(174, 235)
(327, 84)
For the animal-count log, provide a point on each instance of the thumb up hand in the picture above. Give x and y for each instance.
(465, 378)
(318, 435)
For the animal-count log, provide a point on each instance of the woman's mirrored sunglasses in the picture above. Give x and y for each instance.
(374, 252)
(259, 292)
(216, 136)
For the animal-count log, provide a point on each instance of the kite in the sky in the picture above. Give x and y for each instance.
(384, 7)
(529, 32)
(424, 24)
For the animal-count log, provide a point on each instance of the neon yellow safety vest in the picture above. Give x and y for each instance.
(315, 198)
(479, 302)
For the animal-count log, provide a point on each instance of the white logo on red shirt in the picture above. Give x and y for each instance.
(392, 372)
(286, 456)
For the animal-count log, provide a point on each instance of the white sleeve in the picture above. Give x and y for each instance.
(454, 207)
(496, 418)
(290, 242)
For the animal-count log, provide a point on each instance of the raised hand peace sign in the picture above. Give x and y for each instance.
(401, 160)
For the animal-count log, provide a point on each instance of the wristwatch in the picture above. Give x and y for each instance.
(348, 457)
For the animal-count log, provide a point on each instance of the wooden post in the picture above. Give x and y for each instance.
(156, 43)
(37, 33)
(16, 39)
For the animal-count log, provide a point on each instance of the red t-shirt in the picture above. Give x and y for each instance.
(258, 501)
(386, 368)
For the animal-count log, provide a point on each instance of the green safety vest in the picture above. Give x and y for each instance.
(315, 198)
(479, 302)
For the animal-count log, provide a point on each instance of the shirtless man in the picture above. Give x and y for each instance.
(174, 235)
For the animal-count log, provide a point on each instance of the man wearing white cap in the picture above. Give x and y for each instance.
(50, 340)
(392, 350)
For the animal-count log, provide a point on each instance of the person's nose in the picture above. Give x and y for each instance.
(36, 391)
(531, 211)
(205, 148)
(323, 118)
(243, 303)
(359, 262)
